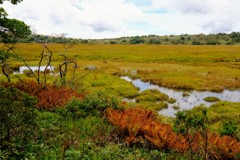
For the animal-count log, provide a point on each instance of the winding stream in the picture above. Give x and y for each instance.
(195, 98)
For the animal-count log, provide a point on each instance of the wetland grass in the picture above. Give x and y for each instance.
(180, 67)
(211, 99)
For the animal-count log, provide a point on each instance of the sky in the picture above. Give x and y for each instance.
(95, 19)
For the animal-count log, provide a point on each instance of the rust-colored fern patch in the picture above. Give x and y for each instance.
(49, 97)
(132, 120)
(142, 123)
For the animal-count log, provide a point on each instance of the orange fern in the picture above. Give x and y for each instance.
(49, 97)
(141, 123)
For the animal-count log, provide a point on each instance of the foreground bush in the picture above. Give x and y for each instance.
(17, 122)
(49, 97)
(139, 123)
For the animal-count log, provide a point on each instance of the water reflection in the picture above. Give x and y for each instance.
(195, 98)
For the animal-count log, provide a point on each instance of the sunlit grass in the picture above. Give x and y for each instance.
(174, 66)
(139, 53)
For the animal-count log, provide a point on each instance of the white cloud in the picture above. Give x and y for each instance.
(200, 16)
(78, 18)
(116, 18)
(218, 26)
(184, 6)
(108, 15)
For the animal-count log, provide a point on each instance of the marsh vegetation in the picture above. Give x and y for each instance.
(111, 111)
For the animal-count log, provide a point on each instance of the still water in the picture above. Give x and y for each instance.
(194, 98)
(34, 68)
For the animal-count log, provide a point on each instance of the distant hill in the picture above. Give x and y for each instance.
(184, 39)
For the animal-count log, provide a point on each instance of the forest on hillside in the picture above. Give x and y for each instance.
(232, 38)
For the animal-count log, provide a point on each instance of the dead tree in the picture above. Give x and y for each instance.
(63, 69)
(47, 54)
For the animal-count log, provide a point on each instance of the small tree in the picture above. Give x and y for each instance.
(11, 30)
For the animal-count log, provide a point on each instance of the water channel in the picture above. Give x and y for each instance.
(194, 98)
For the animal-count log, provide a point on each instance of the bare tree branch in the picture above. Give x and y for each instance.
(48, 63)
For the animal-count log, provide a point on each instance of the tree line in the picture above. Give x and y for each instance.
(232, 38)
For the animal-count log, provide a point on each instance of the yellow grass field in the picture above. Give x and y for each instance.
(174, 66)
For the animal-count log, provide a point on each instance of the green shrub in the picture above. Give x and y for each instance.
(17, 122)
(93, 105)
(89, 150)
(229, 128)
(188, 124)
(61, 137)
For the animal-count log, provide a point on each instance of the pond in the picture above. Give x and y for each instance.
(34, 68)
(194, 98)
